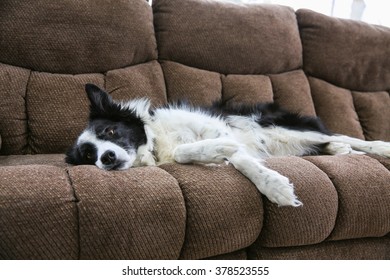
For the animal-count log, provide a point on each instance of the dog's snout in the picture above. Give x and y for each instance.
(108, 158)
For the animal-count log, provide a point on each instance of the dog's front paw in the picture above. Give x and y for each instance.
(281, 191)
(225, 149)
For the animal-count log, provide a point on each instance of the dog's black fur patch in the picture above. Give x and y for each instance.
(270, 114)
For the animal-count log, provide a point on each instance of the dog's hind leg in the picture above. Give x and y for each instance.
(276, 187)
(338, 148)
(372, 147)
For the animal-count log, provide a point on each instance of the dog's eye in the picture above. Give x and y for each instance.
(88, 156)
(110, 132)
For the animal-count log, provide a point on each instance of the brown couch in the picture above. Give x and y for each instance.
(200, 51)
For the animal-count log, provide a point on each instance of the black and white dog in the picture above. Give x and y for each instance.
(121, 135)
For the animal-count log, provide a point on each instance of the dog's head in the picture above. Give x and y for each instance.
(114, 133)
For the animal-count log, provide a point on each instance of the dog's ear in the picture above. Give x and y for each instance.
(71, 155)
(100, 101)
(97, 96)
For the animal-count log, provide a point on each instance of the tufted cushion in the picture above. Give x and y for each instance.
(13, 116)
(224, 209)
(335, 106)
(38, 215)
(362, 185)
(76, 37)
(314, 221)
(349, 74)
(355, 249)
(126, 215)
(228, 38)
(350, 54)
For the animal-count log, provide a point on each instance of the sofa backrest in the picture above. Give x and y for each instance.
(196, 50)
(348, 67)
(238, 53)
(50, 49)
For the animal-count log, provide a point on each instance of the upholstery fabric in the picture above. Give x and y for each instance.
(200, 87)
(346, 53)
(126, 215)
(224, 209)
(95, 36)
(335, 107)
(374, 114)
(362, 185)
(38, 214)
(13, 116)
(228, 38)
(354, 249)
(51, 127)
(314, 221)
(40, 159)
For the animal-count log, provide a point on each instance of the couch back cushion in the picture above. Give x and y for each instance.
(238, 53)
(76, 36)
(348, 63)
(228, 38)
(52, 48)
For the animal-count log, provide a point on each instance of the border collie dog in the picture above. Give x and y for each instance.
(121, 135)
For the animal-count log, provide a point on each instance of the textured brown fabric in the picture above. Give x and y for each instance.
(38, 216)
(314, 221)
(373, 109)
(335, 107)
(41, 159)
(356, 249)
(228, 38)
(134, 214)
(143, 80)
(199, 87)
(238, 255)
(75, 37)
(362, 185)
(292, 92)
(349, 54)
(57, 109)
(224, 209)
(246, 89)
(13, 118)
(384, 161)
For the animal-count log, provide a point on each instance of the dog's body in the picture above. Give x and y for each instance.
(123, 135)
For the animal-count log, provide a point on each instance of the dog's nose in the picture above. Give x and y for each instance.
(108, 157)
